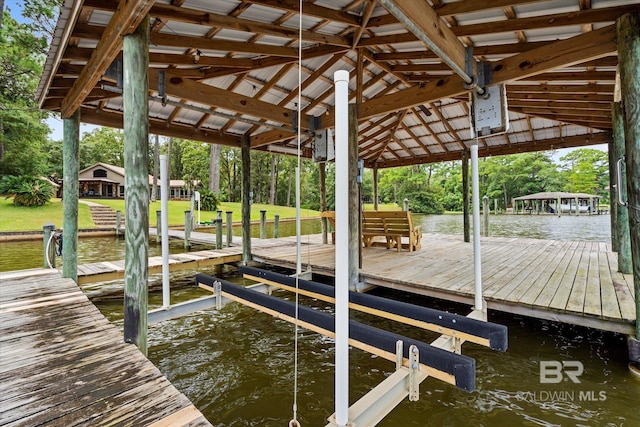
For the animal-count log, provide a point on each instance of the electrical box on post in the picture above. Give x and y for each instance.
(488, 113)
(322, 147)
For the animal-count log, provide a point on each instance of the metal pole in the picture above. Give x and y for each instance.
(475, 201)
(341, 79)
(164, 226)
(229, 228)
(276, 226)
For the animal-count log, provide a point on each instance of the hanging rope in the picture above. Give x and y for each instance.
(294, 422)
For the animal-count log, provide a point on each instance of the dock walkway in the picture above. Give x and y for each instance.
(63, 363)
(567, 281)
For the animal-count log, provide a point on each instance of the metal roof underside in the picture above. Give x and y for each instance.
(233, 70)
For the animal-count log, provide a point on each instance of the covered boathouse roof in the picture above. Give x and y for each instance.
(231, 70)
(554, 195)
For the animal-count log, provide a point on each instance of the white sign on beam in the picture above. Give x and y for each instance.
(489, 115)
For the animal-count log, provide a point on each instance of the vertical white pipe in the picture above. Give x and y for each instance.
(475, 203)
(298, 227)
(164, 226)
(341, 79)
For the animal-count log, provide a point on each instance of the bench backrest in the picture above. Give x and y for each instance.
(391, 222)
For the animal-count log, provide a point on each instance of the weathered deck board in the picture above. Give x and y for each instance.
(64, 363)
(572, 282)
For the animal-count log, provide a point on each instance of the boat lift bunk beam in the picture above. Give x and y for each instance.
(449, 367)
(488, 334)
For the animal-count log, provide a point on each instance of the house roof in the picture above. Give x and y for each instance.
(554, 195)
(120, 171)
(230, 69)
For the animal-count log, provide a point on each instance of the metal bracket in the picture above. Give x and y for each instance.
(294, 120)
(414, 369)
(315, 123)
(162, 92)
(457, 345)
(399, 347)
(114, 72)
(217, 290)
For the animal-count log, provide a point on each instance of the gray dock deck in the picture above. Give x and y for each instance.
(567, 281)
(63, 363)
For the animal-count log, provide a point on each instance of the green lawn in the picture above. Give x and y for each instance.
(177, 208)
(18, 218)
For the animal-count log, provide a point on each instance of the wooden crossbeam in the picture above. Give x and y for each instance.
(106, 118)
(126, 18)
(220, 98)
(560, 54)
(427, 26)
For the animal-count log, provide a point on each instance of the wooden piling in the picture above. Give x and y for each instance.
(263, 224)
(622, 213)
(158, 226)
(485, 215)
(322, 169)
(276, 227)
(218, 223)
(70, 154)
(558, 207)
(354, 203)
(246, 207)
(229, 228)
(375, 187)
(136, 141)
(628, 32)
(465, 196)
(187, 229)
(118, 223)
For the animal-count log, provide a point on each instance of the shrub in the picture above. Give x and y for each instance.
(208, 201)
(26, 190)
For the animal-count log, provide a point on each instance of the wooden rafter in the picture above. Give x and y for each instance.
(128, 16)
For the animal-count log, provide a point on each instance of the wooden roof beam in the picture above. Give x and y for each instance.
(219, 98)
(540, 145)
(125, 20)
(159, 127)
(563, 53)
(420, 19)
(310, 9)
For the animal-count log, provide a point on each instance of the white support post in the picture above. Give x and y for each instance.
(164, 218)
(475, 201)
(341, 80)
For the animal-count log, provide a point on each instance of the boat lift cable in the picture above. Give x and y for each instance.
(294, 421)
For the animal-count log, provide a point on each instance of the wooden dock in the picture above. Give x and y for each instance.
(566, 281)
(113, 270)
(63, 363)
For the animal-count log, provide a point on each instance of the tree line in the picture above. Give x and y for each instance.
(26, 150)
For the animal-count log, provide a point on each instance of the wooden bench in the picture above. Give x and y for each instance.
(391, 226)
(331, 218)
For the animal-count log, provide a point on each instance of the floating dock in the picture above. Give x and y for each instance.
(63, 363)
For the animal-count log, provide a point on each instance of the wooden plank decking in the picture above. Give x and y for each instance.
(566, 281)
(63, 363)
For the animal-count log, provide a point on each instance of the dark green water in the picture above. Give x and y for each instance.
(236, 365)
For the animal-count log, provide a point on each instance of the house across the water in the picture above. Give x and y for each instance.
(102, 180)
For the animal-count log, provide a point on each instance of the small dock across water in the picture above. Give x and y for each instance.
(63, 363)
